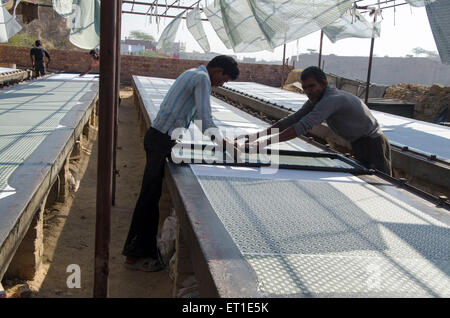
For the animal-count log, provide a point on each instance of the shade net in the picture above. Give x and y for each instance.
(195, 27)
(63, 7)
(256, 25)
(167, 38)
(438, 15)
(85, 24)
(8, 24)
(351, 26)
(419, 3)
(214, 14)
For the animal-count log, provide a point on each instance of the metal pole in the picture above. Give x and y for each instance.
(320, 49)
(282, 69)
(116, 106)
(369, 71)
(105, 145)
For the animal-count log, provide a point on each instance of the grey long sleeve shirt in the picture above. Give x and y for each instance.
(344, 113)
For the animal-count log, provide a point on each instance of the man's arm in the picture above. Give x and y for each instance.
(31, 57)
(203, 105)
(88, 70)
(319, 113)
(283, 123)
(47, 56)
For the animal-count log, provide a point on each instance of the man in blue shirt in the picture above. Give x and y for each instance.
(187, 99)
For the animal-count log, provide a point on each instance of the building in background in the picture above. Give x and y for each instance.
(148, 45)
(385, 70)
(131, 49)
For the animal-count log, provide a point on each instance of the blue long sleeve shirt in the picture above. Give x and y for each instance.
(188, 99)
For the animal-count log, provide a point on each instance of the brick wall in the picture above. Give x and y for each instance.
(78, 61)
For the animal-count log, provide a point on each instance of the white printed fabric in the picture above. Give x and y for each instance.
(167, 38)
(194, 25)
(85, 24)
(8, 25)
(214, 15)
(438, 14)
(63, 7)
(351, 26)
(256, 25)
(419, 3)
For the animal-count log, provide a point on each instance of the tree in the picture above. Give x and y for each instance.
(140, 35)
(420, 51)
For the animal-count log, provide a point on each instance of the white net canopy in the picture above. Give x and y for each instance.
(195, 27)
(167, 38)
(214, 14)
(351, 26)
(419, 3)
(8, 24)
(439, 16)
(85, 24)
(256, 25)
(84, 19)
(62, 7)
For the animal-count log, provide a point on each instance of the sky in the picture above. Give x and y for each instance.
(401, 30)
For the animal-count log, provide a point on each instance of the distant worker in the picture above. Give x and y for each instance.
(187, 99)
(95, 61)
(344, 113)
(37, 55)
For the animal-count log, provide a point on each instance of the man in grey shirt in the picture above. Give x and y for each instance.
(344, 113)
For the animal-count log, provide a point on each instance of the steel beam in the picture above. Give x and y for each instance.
(105, 146)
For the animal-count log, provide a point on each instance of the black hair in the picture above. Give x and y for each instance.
(227, 63)
(314, 72)
(92, 52)
(38, 43)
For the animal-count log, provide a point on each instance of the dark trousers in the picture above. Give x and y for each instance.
(39, 69)
(374, 153)
(141, 240)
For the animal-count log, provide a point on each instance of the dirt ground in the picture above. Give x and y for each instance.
(430, 101)
(69, 229)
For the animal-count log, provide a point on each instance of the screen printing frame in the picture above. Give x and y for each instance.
(228, 160)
